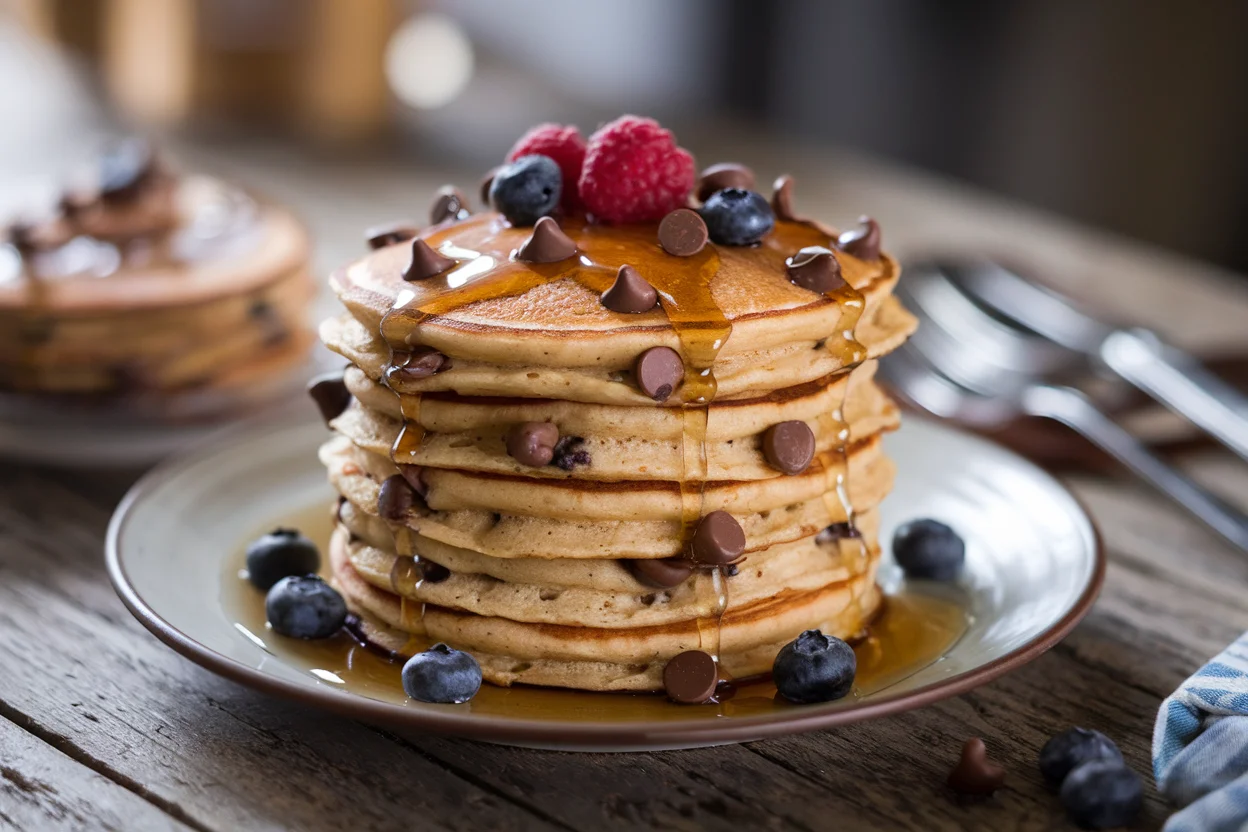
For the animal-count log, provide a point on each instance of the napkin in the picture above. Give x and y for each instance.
(1200, 746)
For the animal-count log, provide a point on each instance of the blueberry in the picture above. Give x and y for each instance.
(928, 549)
(737, 218)
(442, 674)
(814, 668)
(527, 189)
(305, 607)
(1102, 795)
(280, 554)
(1073, 748)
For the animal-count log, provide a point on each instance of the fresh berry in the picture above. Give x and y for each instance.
(527, 189)
(634, 172)
(1102, 795)
(280, 554)
(814, 668)
(1073, 748)
(442, 674)
(930, 550)
(562, 143)
(737, 218)
(305, 607)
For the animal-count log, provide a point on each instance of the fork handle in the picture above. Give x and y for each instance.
(1072, 408)
(1181, 383)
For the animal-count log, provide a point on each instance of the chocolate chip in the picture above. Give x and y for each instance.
(630, 293)
(330, 394)
(425, 262)
(486, 183)
(975, 773)
(782, 199)
(863, 242)
(389, 233)
(724, 175)
(690, 677)
(718, 539)
(449, 204)
(661, 573)
(658, 371)
(434, 573)
(532, 443)
(547, 244)
(789, 447)
(815, 268)
(414, 475)
(396, 498)
(569, 453)
(682, 232)
(418, 364)
(730, 570)
(837, 531)
(126, 168)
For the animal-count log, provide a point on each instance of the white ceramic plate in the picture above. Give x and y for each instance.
(1034, 566)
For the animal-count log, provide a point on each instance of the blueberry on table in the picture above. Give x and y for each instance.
(1072, 748)
(527, 189)
(442, 674)
(305, 607)
(814, 668)
(930, 550)
(1102, 795)
(736, 217)
(280, 554)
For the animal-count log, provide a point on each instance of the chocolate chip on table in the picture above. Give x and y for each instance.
(724, 175)
(396, 498)
(682, 233)
(789, 447)
(425, 262)
(630, 293)
(387, 234)
(975, 773)
(815, 268)
(417, 364)
(690, 677)
(862, 242)
(569, 453)
(449, 204)
(782, 198)
(718, 539)
(658, 371)
(532, 443)
(330, 394)
(547, 244)
(660, 573)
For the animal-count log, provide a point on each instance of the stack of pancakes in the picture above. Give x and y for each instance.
(584, 571)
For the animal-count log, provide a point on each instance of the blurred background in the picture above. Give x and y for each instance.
(1125, 115)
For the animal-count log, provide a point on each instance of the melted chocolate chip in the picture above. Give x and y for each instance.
(658, 371)
(975, 773)
(730, 570)
(782, 199)
(330, 394)
(434, 573)
(396, 498)
(690, 677)
(532, 443)
(547, 244)
(663, 573)
(449, 204)
(837, 531)
(425, 262)
(724, 175)
(862, 242)
(683, 233)
(815, 268)
(718, 539)
(387, 234)
(630, 293)
(414, 475)
(486, 183)
(569, 453)
(789, 447)
(418, 364)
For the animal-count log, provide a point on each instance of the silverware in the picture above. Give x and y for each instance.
(964, 364)
(1169, 375)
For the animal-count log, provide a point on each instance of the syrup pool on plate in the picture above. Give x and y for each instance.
(912, 631)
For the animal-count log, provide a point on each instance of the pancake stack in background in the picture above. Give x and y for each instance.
(540, 464)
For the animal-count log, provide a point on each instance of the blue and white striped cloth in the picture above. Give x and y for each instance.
(1200, 746)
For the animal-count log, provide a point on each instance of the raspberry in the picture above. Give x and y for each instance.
(561, 143)
(634, 172)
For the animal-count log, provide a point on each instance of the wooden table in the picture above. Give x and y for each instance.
(101, 726)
